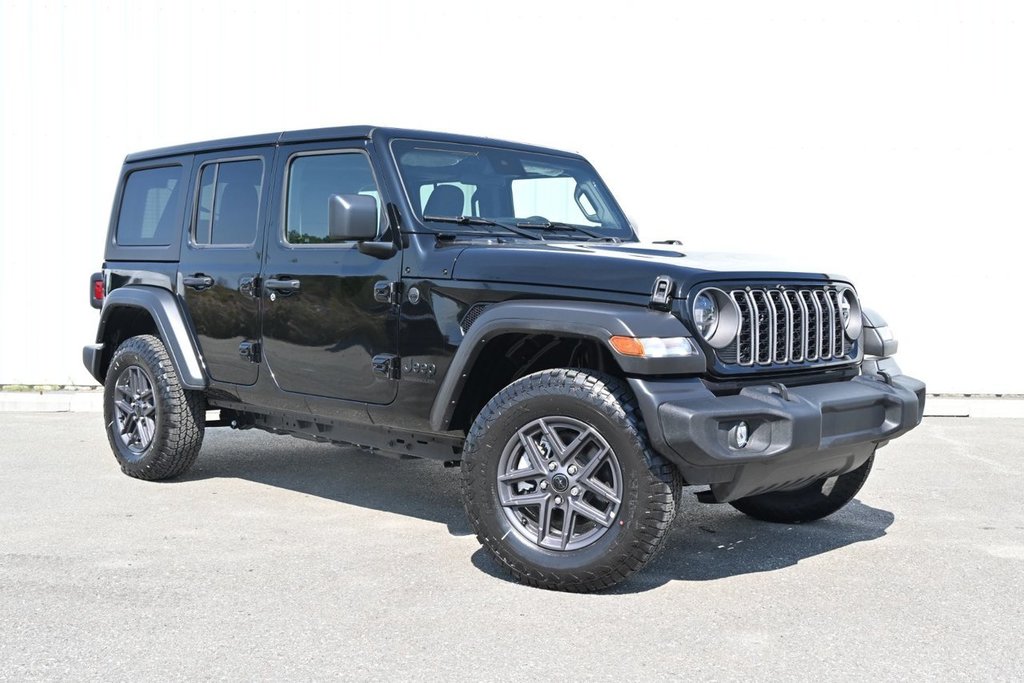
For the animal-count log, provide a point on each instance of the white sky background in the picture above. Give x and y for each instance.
(880, 140)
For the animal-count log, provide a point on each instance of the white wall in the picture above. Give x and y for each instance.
(882, 140)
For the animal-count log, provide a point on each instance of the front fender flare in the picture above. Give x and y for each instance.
(587, 320)
(170, 321)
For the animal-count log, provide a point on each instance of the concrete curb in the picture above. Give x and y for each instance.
(51, 402)
(973, 407)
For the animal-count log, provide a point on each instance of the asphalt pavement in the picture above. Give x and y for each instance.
(277, 558)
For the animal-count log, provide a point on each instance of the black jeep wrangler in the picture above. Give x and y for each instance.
(484, 303)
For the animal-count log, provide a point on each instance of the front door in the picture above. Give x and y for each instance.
(220, 260)
(322, 323)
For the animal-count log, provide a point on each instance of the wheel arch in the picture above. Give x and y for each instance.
(134, 310)
(557, 328)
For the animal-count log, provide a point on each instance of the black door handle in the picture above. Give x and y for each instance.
(198, 281)
(282, 285)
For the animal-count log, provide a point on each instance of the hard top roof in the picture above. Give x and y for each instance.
(340, 133)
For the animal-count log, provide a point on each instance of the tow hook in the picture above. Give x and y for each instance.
(783, 390)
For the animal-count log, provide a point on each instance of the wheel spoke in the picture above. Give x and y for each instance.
(570, 451)
(591, 513)
(520, 475)
(148, 409)
(128, 424)
(544, 520)
(570, 517)
(143, 432)
(515, 500)
(553, 440)
(532, 452)
(593, 464)
(123, 408)
(600, 490)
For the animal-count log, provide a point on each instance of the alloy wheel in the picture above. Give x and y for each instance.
(135, 409)
(559, 483)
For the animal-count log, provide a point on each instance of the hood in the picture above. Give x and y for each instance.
(628, 267)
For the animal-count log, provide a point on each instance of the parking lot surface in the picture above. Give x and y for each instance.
(277, 558)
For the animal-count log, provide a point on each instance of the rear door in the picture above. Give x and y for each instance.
(323, 321)
(220, 259)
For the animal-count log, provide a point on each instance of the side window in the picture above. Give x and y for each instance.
(150, 207)
(552, 198)
(229, 203)
(312, 179)
(448, 199)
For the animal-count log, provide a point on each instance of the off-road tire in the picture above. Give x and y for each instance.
(180, 416)
(806, 504)
(651, 485)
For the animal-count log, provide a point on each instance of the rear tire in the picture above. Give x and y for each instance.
(154, 425)
(820, 499)
(561, 485)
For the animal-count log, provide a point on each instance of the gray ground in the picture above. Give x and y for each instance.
(275, 557)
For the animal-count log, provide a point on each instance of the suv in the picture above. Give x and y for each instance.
(486, 304)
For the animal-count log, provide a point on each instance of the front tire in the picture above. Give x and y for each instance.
(820, 499)
(154, 425)
(561, 485)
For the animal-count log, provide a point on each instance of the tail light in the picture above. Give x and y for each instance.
(97, 290)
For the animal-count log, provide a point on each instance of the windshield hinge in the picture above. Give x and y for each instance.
(387, 292)
(386, 365)
(250, 351)
(661, 295)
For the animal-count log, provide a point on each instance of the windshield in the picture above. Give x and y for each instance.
(507, 186)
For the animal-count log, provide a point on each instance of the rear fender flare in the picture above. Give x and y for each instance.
(171, 325)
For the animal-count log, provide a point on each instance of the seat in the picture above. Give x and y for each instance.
(445, 200)
(235, 222)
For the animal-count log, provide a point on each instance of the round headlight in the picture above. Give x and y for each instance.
(716, 317)
(705, 314)
(849, 311)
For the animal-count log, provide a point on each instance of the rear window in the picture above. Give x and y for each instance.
(229, 203)
(151, 208)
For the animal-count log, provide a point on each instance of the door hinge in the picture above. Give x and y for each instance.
(386, 365)
(387, 292)
(249, 286)
(250, 351)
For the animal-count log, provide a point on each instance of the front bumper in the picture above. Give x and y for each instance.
(795, 436)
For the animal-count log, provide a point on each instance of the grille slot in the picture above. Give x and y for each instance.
(786, 326)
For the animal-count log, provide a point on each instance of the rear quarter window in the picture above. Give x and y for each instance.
(150, 212)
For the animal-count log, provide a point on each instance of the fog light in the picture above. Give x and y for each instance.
(739, 436)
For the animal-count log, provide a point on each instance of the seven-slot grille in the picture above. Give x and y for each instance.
(781, 326)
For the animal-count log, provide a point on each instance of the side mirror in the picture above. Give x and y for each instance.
(351, 217)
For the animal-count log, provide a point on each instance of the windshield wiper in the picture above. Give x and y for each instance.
(477, 220)
(555, 225)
